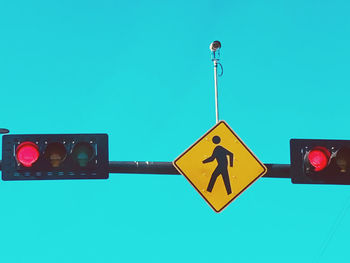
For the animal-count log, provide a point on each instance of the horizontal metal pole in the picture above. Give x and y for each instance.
(273, 170)
(142, 167)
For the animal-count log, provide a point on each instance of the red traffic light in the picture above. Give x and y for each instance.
(27, 153)
(315, 161)
(319, 158)
(54, 156)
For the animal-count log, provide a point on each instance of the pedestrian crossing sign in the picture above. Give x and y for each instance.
(220, 166)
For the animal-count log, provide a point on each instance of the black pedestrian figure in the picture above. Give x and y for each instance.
(220, 154)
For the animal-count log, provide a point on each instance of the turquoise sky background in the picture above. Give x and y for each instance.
(141, 72)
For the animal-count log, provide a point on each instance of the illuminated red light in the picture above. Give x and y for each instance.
(27, 153)
(319, 158)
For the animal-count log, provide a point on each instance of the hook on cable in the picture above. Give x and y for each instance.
(222, 70)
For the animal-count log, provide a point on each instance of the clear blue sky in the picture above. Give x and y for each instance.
(141, 72)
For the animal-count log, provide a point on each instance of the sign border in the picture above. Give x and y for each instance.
(245, 146)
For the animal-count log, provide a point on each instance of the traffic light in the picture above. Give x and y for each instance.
(320, 161)
(54, 156)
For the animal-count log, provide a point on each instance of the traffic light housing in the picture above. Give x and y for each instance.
(54, 156)
(320, 161)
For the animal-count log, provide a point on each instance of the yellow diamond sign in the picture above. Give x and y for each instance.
(220, 166)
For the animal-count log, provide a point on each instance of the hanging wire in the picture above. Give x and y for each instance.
(333, 229)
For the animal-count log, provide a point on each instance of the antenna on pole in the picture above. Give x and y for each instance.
(215, 56)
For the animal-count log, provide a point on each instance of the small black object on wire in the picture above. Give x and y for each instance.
(3, 131)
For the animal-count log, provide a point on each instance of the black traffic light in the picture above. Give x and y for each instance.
(320, 161)
(54, 156)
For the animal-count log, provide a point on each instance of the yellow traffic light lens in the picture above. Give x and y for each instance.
(55, 153)
(342, 159)
(82, 153)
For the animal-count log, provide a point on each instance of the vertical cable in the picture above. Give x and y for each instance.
(216, 90)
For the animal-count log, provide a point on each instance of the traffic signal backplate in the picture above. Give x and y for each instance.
(54, 156)
(320, 161)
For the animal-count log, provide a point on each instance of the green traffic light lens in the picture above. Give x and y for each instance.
(82, 153)
(55, 153)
